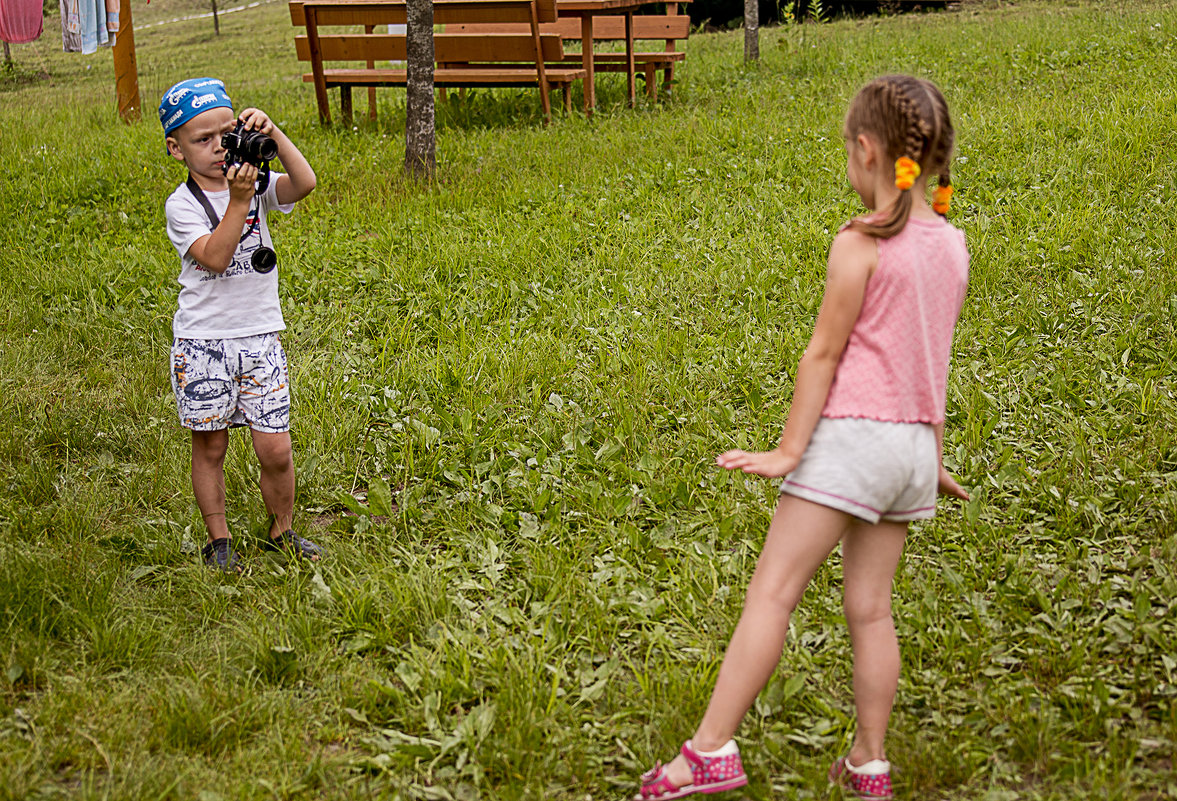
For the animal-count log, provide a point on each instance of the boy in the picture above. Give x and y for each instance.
(228, 366)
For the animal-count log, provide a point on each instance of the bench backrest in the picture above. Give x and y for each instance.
(455, 48)
(522, 44)
(445, 12)
(646, 26)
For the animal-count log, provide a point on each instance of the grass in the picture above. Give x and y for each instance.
(509, 392)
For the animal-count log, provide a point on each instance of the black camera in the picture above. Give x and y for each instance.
(244, 145)
(256, 148)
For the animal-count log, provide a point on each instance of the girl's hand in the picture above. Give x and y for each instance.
(949, 487)
(771, 464)
(256, 120)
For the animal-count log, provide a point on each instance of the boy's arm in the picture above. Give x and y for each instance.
(853, 257)
(299, 179)
(215, 251)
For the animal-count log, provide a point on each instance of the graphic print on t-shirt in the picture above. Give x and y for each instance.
(247, 303)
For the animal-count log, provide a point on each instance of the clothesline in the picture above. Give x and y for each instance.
(206, 15)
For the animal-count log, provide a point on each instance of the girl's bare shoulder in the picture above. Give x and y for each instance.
(854, 251)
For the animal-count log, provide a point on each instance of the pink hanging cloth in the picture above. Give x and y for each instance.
(20, 20)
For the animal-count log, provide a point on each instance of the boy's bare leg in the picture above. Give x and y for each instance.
(275, 454)
(801, 536)
(870, 554)
(208, 479)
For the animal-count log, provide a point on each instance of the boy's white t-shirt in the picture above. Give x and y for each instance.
(239, 302)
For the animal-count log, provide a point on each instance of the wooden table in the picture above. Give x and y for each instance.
(586, 10)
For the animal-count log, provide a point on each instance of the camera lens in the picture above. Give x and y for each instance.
(261, 147)
(263, 260)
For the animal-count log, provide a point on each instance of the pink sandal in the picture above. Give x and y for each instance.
(709, 774)
(874, 785)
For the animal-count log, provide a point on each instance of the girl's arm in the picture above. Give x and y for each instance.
(299, 179)
(853, 257)
(947, 484)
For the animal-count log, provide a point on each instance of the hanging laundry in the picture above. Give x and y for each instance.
(20, 20)
(87, 24)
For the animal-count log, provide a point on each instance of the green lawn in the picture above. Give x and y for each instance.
(509, 393)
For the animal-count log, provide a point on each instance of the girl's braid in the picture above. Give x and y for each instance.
(941, 155)
(918, 131)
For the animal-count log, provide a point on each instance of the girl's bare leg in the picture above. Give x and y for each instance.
(800, 538)
(870, 555)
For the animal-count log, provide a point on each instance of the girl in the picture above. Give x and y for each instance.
(861, 446)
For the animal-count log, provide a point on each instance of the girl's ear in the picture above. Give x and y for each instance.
(870, 150)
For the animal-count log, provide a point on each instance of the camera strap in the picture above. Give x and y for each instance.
(198, 193)
(213, 219)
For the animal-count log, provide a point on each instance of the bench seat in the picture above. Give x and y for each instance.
(451, 75)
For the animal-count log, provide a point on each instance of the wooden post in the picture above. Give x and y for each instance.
(126, 71)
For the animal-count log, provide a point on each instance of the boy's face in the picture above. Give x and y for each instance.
(197, 142)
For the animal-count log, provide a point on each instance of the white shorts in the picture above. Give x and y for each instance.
(870, 469)
(220, 383)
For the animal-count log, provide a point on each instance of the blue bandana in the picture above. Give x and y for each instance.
(188, 98)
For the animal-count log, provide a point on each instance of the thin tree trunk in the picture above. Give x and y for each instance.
(7, 55)
(216, 19)
(420, 145)
(751, 30)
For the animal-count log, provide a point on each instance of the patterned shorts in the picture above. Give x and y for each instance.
(870, 469)
(220, 383)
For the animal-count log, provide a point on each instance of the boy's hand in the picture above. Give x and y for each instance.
(256, 120)
(771, 464)
(242, 178)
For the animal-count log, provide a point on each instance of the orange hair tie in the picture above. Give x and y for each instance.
(906, 171)
(941, 196)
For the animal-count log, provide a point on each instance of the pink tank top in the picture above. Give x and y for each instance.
(895, 366)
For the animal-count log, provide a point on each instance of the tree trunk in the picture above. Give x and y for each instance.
(420, 147)
(7, 55)
(751, 30)
(216, 19)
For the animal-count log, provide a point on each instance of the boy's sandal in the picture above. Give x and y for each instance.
(866, 786)
(291, 543)
(709, 774)
(219, 554)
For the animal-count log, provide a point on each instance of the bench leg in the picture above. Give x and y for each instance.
(567, 98)
(443, 93)
(546, 102)
(651, 81)
(372, 103)
(668, 78)
(345, 104)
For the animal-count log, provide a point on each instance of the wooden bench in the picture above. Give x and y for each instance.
(670, 27)
(520, 57)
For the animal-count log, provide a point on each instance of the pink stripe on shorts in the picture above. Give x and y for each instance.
(870, 469)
